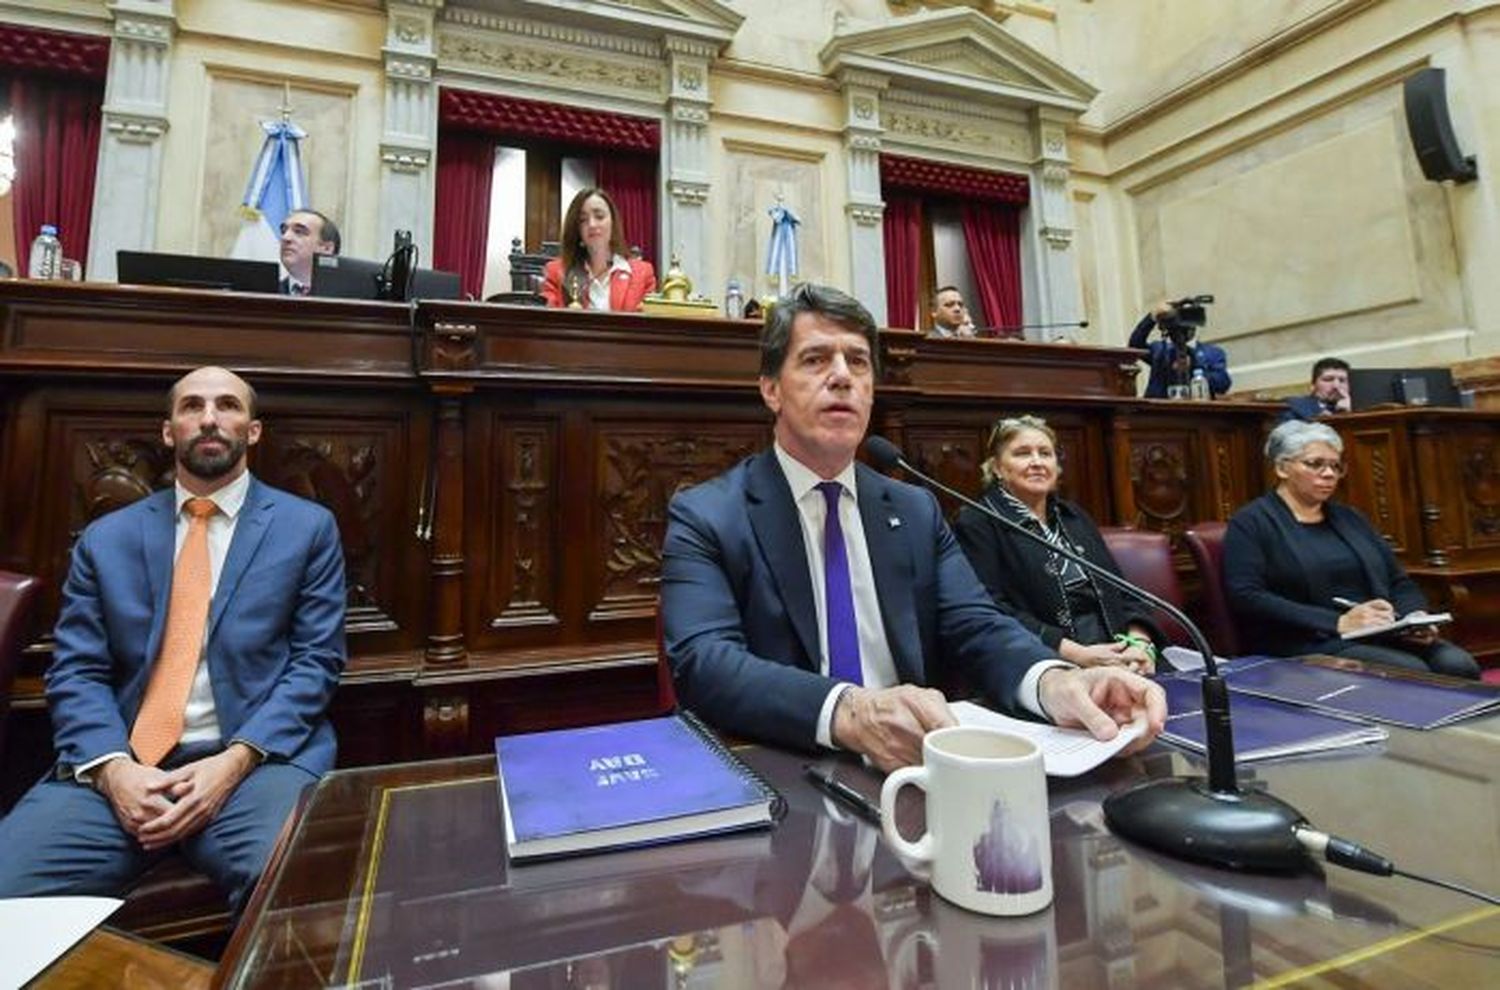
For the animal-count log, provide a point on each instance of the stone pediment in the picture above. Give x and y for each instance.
(961, 53)
(706, 20)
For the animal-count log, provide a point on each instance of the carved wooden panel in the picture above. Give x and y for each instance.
(638, 467)
(1163, 472)
(356, 463)
(954, 455)
(525, 555)
(1479, 473)
(1376, 485)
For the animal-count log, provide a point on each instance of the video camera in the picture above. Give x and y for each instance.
(1188, 314)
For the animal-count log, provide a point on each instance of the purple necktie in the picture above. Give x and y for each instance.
(838, 594)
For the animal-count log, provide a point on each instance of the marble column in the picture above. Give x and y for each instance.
(408, 140)
(685, 166)
(1055, 270)
(127, 182)
(864, 210)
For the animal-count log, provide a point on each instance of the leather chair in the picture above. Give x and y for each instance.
(18, 598)
(526, 273)
(1205, 541)
(1145, 557)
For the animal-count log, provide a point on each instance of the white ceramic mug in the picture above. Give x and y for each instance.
(988, 838)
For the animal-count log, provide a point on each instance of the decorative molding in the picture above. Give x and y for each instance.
(146, 30)
(406, 66)
(409, 30)
(134, 128)
(1056, 172)
(688, 192)
(405, 159)
(546, 31)
(570, 67)
(865, 214)
(1058, 237)
(691, 47)
(963, 105)
(690, 113)
(859, 141)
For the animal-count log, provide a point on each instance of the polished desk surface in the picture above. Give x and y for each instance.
(107, 958)
(397, 876)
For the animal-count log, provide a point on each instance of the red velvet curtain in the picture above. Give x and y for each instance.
(461, 221)
(992, 233)
(903, 248)
(630, 181)
(57, 150)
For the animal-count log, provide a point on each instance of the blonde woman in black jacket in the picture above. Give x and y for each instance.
(1085, 620)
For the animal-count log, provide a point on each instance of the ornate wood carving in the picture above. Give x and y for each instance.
(526, 552)
(1480, 459)
(640, 469)
(342, 471)
(112, 471)
(1159, 475)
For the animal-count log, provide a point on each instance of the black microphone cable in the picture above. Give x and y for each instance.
(1351, 855)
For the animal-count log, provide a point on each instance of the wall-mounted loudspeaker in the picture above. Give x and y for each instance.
(1432, 130)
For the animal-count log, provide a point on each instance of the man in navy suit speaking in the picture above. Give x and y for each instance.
(807, 599)
(200, 639)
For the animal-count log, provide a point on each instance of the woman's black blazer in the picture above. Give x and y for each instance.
(1280, 596)
(1015, 569)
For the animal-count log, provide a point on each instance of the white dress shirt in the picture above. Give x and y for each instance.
(200, 720)
(877, 666)
(599, 286)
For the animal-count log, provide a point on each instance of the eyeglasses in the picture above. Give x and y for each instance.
(1317, 465)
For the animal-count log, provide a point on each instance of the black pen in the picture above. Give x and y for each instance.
(844, 794)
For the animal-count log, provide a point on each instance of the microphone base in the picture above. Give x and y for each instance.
(1183, 818)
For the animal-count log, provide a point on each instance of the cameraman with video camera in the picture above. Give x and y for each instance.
(1174, 357)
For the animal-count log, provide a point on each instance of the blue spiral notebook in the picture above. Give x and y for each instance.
(625, 784)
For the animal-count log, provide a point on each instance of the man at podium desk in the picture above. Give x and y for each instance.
(810, 601)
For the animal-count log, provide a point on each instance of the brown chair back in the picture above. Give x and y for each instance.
(1145, 558)
(1205, 541)
(18, 598)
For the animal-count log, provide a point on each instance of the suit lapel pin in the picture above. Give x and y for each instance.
(894, 522)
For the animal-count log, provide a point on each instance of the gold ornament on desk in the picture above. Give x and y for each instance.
(574, 285)
(676, 297)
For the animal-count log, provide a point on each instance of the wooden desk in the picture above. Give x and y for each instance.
(399, 874)
(108, 958)
(500, 474)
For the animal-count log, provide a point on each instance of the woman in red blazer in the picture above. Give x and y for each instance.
(594, 269)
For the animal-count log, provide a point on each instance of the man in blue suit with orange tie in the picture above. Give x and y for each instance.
(200, 639)
(808, 600)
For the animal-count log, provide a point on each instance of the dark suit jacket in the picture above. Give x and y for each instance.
(1210, 357)
(1278, 592)
(1308, 408)
(625, 291)
(275, 641)
(741, 629)
(1014, 570)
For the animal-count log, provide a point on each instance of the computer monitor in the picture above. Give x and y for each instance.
(356, 278)
(189, 271)
(1370, 387)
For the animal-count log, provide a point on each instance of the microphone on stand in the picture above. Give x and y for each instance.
(1213, 820)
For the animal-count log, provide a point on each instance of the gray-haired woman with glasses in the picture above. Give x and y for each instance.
(1302, 570)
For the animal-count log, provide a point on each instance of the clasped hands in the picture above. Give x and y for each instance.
(161, 807)
(886, 725)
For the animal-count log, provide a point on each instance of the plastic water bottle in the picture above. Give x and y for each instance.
(734, 300)
(46, 254)
(1198, 387)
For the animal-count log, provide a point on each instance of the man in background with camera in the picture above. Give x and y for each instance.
(1174, 357)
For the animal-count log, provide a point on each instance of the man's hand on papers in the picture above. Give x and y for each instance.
(1101, 699)
(886, 726)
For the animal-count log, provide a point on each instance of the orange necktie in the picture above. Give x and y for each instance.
(158, 725)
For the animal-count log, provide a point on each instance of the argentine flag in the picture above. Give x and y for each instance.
(276, 188)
